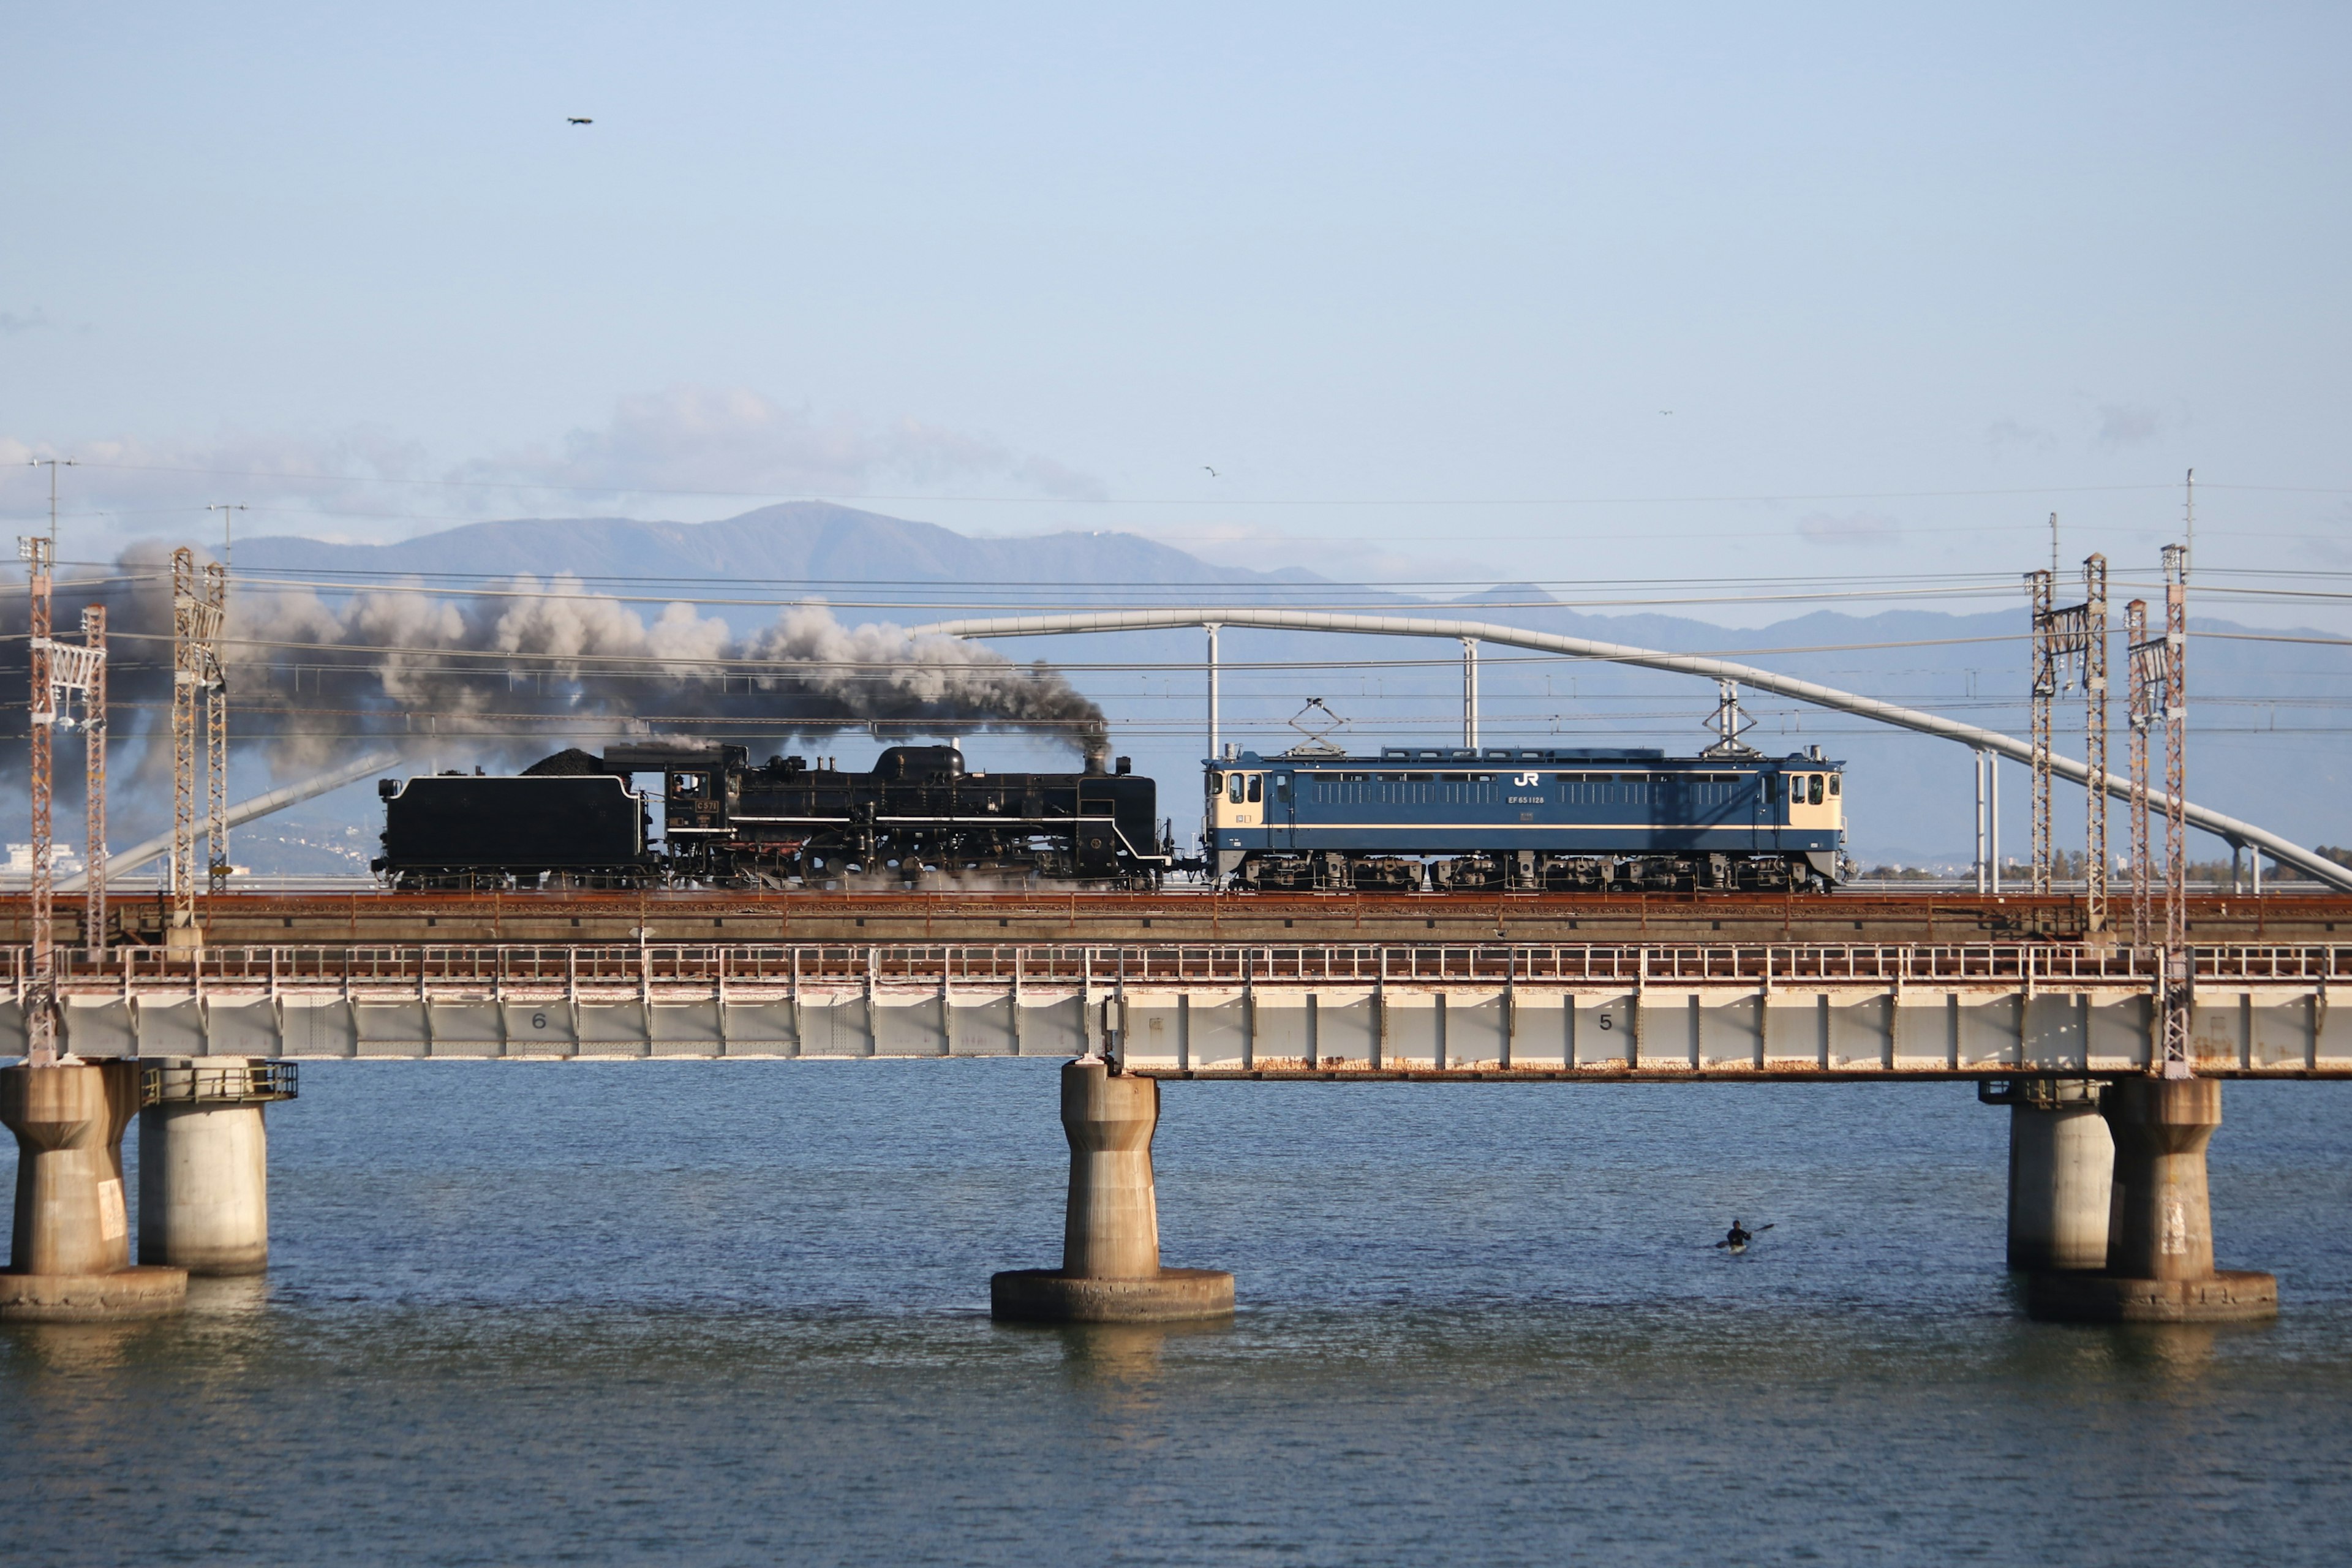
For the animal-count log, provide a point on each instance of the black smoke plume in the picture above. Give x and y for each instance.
(515, 672)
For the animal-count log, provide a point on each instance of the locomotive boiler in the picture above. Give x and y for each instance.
(574, 819)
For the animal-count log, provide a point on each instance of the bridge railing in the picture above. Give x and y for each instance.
(489, 967)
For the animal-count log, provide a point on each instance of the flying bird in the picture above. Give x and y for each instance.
(1211, 472)
(577, 120)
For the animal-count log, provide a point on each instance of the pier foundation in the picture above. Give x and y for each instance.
(2061, 1162)
(1110, 1270)
(69, 1255)
(2160, 1265)
(203, 1167)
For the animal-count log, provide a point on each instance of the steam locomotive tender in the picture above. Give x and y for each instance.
(573, 820)
(1511, 817)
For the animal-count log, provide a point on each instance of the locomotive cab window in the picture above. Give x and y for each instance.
(1256, 788)
(1282, 786)
(686, 783)
(1813, 793)
(1216, 786)
(1234, 788)
(1834, 785)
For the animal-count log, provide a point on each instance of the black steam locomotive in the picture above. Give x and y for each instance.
(573, 820)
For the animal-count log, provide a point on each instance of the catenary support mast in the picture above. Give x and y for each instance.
(2145, 664)
(2039, 585)
(2177, 974)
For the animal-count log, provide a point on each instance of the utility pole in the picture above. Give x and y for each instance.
(1470, 693)
(1214, 756)
(2188, 515)
(228, 543)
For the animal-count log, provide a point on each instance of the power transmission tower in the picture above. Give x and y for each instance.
(2146, 669)
(197, 608)
(2179, 976)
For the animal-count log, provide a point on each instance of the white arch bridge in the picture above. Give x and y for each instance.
(1472, 633)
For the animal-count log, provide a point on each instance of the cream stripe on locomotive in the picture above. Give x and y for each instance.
(1394, 826)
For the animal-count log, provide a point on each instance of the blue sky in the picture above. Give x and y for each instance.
(1419, 284)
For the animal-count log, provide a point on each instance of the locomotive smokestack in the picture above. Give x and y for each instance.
(1097, 759)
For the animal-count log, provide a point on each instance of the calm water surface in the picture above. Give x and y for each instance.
(718, 1313)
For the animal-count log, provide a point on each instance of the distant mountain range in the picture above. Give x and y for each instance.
(1911, 799)
(800, 545)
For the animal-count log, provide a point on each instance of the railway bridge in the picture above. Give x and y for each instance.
(2108, 1210)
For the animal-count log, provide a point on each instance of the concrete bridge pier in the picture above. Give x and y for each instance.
(2160, 1265)
(204, 1166)
(2062, 1163)
(1110, 1270)
(69, 1256)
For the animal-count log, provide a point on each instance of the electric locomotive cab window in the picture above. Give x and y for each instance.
(1234, 788)
(1834, 785)
(1282, 786)
(1257, 789)
(1813, 792)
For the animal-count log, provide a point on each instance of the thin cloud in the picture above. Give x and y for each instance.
(737, 441)
(724, 445)
(13, 324)
(139, 486)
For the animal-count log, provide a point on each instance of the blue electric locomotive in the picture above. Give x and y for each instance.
(1526, 818)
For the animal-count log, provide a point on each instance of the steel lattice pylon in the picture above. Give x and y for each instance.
(93, 753)
(198, 606)
(40, 994)
(2145, 670)
(60, 673)
(2040, 584)
(216, 741)
(2094, 658)
(2070, 646)
(2178, 979)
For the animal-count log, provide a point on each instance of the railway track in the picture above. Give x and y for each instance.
(735, 918)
